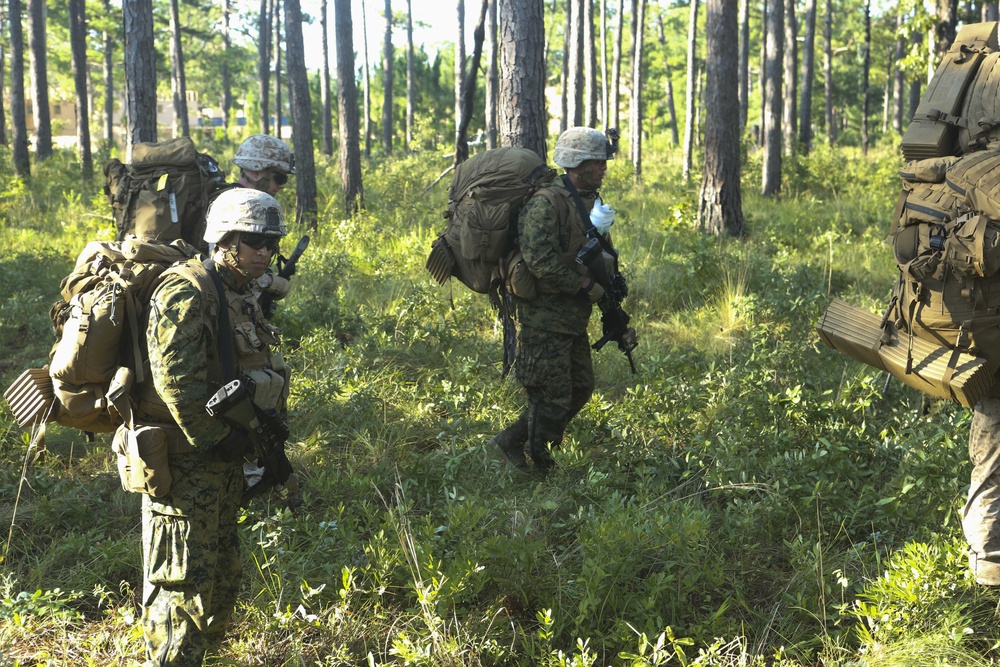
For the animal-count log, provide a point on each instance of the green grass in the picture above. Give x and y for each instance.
(749, 498)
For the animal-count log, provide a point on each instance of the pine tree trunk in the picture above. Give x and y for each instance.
(301, 108)
(347, 101)
(564, 103)
(604, 64)
(744, 65)
(989, 12)
(807, 74)
(575, 80)
(668, 85)
(140, 72)
(19, 123)
(366, 81)
(388, 55)
(789, 119)
(492, 78)
(897, 79)
(178, 86)
(459, 65)
(324, 82)
(865, 72)
(590, 64)
(831, 131)
(635, 113)
(469, 86)
(771, 177)
(109, 81)
(276, 15)
(946, 12)
(616, 68)
(3, 59)
(264, 66)
(38, 54)
(689, 92)
(720, 209)
(78, 47)
(522, 115)
(227, 84)
(411, 84)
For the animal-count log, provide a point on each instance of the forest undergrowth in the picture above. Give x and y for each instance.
(750, 497)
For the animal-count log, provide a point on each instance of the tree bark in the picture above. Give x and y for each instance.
(789, 119)
(227, 84)
(590, 65)
(865, 72)
(324, 82)
(302, 134)
(19, 123)
(989, 12)
(469, 87)
(140, 72)
(178, 85)
(720, 209)
(264, 66)
(38, 55)
(276, 15)
(459, 65)
(366, 81)
(522, 75)
(915, 86)
(744, 65)
(616, 67)
(492, 78)
(604, 64)
(3, 59)
(635, 113)
(347, 101)
(564, 104)
(831, 131)
(109, 81)
(897, 79)
(78, 47)
(388, 55)
(689, 93)
(807, 74)
(771, 177)
(946, 12)
(576, 81)
(411, 84)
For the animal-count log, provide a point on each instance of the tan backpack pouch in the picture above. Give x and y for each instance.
(143, 461)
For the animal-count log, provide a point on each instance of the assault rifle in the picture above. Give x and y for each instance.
(286, 269)
(267, 432)
(613, 318)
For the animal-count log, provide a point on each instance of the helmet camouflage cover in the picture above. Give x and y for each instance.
(262, 151)
(578, 144)
(244, 210)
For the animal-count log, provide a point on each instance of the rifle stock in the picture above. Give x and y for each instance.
(614, 319)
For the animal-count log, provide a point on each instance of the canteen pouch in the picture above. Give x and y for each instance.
(143, 464)
(518, 280)
(265, 388)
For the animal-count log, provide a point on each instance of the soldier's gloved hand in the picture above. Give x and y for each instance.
(274, 285)
(278, 465)
(591, 291)
(233, 447)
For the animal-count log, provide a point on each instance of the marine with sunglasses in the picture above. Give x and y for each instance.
(265, 164)
(205, 329)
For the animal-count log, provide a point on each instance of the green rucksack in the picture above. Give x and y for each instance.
(163, 192)
(486, 194)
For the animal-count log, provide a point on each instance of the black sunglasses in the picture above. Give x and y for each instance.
(258, 241)
(279, 177)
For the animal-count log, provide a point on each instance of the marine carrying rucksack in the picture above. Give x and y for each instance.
(99, 325)
(941, 330)
(163, 192)
(486, 194)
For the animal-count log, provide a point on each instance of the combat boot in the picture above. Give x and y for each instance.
(511, 448)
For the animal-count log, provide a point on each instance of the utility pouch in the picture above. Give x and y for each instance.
(143, 464)
(265, 388)
(973, 248)
(517, 278)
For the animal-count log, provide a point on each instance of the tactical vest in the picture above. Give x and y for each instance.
(257, 359)
(572, 229)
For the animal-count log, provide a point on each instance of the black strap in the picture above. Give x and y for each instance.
(588, 226)
(225, 334)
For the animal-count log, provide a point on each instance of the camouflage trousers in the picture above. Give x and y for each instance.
(981, 515)
(191, 561)
(557, 375)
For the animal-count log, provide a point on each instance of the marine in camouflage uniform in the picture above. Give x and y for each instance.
(553, 362)
(190, 545)
(981, 515)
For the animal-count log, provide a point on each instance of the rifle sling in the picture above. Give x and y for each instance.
(588, 226)
(225, 341)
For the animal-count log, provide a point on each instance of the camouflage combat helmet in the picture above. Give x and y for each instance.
(262, 151)
(578, 144)
(244, 210)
